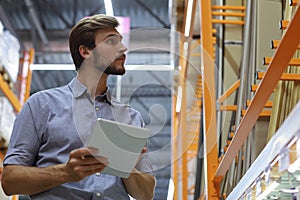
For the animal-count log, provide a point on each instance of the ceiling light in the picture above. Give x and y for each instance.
(127, 67)
(188, 20)
(108, 7)
(52, 67)
(179, 97)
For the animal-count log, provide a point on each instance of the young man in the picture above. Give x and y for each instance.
(47, 158)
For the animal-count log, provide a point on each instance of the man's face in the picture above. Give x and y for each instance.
(109, 52)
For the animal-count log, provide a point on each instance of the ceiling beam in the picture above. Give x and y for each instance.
(36, 22)
(52, 7)
(152, 13)
(6, 21)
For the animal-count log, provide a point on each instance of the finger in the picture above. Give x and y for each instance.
(78, 153)
(89, 168)
(144, 150)
(87, 160)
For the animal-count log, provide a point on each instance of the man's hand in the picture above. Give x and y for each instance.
(83, 162)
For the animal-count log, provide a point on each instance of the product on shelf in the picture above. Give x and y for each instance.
(9, 55)
(7, 117)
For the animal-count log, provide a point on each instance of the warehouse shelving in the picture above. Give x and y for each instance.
(216, 167)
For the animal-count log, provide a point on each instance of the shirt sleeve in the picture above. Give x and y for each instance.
(144, 165)
(24, 142)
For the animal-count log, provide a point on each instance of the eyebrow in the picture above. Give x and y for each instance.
(113, 34)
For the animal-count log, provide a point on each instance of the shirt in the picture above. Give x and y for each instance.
(56, 121)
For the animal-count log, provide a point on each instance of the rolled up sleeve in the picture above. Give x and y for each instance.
(24, 142)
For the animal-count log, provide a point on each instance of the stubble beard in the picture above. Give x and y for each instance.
(114, 68)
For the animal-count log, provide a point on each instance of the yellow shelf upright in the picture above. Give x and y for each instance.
(209, 102)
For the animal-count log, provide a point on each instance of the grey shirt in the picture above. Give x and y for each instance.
(54, 122)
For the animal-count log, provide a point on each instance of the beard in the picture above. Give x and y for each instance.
(115, 67)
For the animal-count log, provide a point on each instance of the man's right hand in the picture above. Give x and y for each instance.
(83, 162)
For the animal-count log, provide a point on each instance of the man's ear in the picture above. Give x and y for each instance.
(84, 51)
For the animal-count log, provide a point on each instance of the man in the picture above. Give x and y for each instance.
(47, 158)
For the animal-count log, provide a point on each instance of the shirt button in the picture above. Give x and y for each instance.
(97, 108)
(98, 174)
(98, 194)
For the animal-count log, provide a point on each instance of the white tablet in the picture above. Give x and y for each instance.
(120, 143)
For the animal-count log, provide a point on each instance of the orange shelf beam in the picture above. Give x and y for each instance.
(284, 77)
(228, 107)
(229, 91)
(229, 14)
(283, 24)
(234, 22)
(294, 2)
(279, 63)
(228, 7)
(293, 61)
(29, 75)
(264, 113)
(275, 44)
(10, 95)
(209, 100)
(269, 103)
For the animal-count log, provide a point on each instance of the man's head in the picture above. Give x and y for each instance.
(98, 30)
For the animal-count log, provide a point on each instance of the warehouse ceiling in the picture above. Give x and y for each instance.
(45, 25)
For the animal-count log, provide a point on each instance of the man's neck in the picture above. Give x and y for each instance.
(93, 80)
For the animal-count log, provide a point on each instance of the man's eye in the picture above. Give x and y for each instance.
(112, 41)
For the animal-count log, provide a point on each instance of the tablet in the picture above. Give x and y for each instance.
(120, 143)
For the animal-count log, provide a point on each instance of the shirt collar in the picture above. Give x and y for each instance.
(106, 97)
(78, 89)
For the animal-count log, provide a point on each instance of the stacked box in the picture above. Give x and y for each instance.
(9, 54)
(7, 118)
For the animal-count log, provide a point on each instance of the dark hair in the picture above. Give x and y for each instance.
(84, 33)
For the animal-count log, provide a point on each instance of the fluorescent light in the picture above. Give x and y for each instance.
(179, 97)
(268, 190)
(52, 67)
(127, 67)
(171, 190)
(149, 67)
(188, 21)
(108, 7)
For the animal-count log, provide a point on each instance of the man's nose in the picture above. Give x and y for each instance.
(123, 48)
